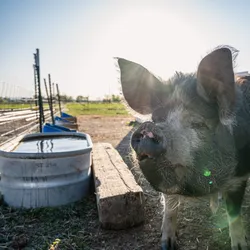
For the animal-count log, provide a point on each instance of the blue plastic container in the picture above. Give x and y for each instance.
(48, 128)
(60, 119)
(65, 123)
(65, 115)
(68, 117)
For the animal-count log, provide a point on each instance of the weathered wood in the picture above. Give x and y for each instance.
(120, 199)
(67, 124)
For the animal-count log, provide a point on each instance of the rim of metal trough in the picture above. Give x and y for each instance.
(14, 154)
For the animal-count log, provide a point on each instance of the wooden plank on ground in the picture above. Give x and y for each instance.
(120, 199)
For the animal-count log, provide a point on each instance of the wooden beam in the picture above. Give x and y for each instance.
(120, 199)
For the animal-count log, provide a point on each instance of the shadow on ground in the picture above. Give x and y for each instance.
(77, 225)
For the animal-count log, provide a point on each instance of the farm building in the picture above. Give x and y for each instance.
(243, 73)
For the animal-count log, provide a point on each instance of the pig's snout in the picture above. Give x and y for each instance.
(147, 141)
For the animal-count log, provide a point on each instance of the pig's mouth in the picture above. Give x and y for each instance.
(159, 172)
(144, 157)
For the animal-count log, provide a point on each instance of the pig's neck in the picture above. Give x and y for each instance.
(242, 128)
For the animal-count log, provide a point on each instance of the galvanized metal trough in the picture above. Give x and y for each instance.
(46, 170)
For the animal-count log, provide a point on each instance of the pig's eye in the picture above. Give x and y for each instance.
(158, 119)
(199, 125)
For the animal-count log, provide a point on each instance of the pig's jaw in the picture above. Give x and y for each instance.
(177, 179)
(181, 141)
(169, 178)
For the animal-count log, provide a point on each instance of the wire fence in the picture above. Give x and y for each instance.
(14, 97)
(19, 111)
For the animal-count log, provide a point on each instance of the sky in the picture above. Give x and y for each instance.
(78, 40)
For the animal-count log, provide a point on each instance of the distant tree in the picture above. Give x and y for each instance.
(66, 98)
(86, 98)
(107, 98)
(79, 98)
(63, 98)
(70, 99)
(116, 98)
(6, 100)
(112, 98)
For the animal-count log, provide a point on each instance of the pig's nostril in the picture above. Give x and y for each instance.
(137, 138)
(135, 141)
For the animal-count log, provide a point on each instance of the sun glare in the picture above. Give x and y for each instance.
(162, 41)
(157, 38)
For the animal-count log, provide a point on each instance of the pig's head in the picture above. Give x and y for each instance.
(188, 146)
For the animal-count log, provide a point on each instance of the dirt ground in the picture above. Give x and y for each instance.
(77, 224)
(197, 227)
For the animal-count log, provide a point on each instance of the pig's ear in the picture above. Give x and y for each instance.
(215, 77)
(141, 89)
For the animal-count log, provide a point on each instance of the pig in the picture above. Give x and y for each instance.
(196, 141)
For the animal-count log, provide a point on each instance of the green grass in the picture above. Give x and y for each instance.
(14, 105)
(6, 106)
(76, 109)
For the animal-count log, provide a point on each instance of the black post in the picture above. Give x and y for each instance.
(35, 82)
(48, 98)
(59, 99)
(51, 102)
(40, 101)
(53, 89)
(47, 93)
(34, 67)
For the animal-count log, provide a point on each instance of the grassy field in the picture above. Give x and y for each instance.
(15, 105)
(76, 109)
(7, 106)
